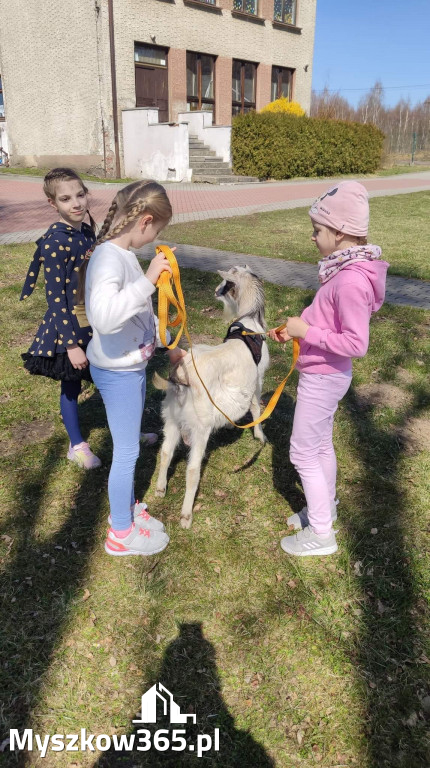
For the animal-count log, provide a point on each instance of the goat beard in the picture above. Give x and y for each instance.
(228, 311)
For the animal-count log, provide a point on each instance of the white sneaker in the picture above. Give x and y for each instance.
(300, 519)
(140, 541)
(306, 542)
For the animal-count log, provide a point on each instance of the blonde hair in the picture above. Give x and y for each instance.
(137, 199)
(50, 184)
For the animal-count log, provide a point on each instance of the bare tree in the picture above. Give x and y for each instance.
(399, 123)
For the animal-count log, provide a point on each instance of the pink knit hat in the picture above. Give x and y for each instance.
(344, 208)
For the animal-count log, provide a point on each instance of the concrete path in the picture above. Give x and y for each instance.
(25, 214)
(400, 290)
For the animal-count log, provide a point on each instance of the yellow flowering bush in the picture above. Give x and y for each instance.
(283, 105)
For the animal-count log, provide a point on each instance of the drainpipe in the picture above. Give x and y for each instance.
(114, 92)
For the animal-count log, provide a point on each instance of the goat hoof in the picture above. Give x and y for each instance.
(186, 522)
(161, 492)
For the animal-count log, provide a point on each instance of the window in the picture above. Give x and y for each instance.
(243, 86)
(1, 101)
(200, 82)
(147, 54)
(282, 83)
(246, 6)
(285, 11)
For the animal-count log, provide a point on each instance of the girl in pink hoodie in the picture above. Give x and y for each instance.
(332, 330)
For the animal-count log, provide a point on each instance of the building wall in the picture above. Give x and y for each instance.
(55, 65)
(56, 109)
(196, 27)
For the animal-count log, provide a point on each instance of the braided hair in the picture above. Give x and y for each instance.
(131, 202)
(51, 180)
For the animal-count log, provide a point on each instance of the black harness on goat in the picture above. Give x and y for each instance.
(254, 342)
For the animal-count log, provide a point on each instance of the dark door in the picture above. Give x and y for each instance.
(151, 90)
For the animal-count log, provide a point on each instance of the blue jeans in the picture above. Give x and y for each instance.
(123, 394)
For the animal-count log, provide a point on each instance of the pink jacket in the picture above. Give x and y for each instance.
(339, 318)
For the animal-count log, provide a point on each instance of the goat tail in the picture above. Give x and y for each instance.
(159, 382)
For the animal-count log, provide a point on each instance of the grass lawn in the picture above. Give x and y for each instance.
(43, 171)
(394, 170)
(398, 224)
(314, 661)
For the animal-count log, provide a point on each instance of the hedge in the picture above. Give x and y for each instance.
(280, 146)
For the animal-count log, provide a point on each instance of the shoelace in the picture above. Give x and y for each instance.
(144, 532)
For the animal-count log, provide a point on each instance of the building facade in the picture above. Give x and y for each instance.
(69, 69)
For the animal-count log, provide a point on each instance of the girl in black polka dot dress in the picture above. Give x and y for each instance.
(58, 349)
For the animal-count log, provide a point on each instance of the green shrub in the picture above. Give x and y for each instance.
(281, 146)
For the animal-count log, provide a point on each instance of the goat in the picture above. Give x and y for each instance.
(230, 374)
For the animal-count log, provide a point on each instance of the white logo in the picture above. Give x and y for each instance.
(149, 706)
(141, 741)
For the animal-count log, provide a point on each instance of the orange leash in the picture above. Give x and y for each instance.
(170, 293)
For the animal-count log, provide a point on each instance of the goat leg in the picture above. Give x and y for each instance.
(198, 447)
(256, 411)
(172, 436)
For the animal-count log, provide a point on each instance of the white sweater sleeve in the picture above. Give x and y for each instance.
(110, 303)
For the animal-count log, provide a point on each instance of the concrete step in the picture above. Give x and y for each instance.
(212, 170)
(201, 152)
(205, 178)
(222, 171)
(204, 159)
(208, 162)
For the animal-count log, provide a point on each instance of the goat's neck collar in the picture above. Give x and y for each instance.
(249, 322)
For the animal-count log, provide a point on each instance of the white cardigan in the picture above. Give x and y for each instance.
(119, 309)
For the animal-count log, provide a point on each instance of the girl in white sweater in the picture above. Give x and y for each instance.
(125, 334)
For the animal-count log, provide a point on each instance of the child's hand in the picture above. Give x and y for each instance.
(158, 265)
(175, 355)
(296, 327)
(279, 336)
(77, 357)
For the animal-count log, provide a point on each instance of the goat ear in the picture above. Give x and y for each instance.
(224, 275)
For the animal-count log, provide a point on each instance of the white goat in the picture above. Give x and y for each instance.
(230, 374)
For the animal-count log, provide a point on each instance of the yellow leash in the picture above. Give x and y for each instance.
(167, 285)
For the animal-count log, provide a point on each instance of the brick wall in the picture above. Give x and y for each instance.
(183, 26)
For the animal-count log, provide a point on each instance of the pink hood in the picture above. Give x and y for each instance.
(376, 273)
(339, 316)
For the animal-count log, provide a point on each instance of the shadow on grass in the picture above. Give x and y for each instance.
(43, 578)
(40, 583)
(390, 655)
(189, 671)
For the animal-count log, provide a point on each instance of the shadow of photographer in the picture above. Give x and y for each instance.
(189, 673)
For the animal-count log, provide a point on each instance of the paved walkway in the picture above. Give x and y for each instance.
(25, 216)
(25, 213)
(400, 290)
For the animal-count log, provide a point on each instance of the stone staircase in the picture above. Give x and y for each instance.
(209, 168)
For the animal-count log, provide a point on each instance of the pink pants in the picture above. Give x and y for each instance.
(311, 449)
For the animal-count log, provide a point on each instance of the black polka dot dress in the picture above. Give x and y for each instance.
(61, 250)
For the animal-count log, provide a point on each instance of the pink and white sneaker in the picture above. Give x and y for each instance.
(82, 454)
(143, 519)
(140, 541)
